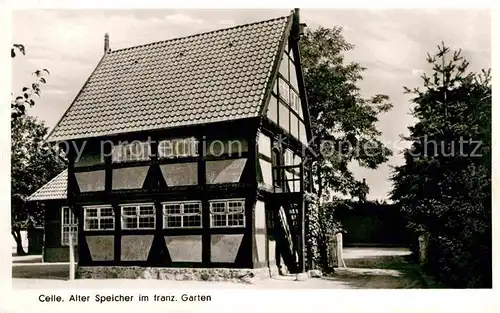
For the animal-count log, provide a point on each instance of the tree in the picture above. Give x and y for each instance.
(344, 131)
(33, 162)
(444, 187)
(343, 121)
(18, 104)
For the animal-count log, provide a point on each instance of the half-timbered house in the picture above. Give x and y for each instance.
(187, 153)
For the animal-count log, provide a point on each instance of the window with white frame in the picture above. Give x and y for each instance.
(178, 147)
(227, 213)
(288, 156)
(134, 151)
(69, 224)
(182, 214)
(98, 218)
(284, 90)
(294, 100)
(138, 216)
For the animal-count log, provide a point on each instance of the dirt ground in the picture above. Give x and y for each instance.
(383, 268)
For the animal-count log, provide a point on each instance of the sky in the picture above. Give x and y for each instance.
(391, 44)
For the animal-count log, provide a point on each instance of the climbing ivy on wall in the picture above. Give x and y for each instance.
(320, 232)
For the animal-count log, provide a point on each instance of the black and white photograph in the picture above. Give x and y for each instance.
(231, 148)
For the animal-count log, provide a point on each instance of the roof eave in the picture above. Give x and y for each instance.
(33, 196)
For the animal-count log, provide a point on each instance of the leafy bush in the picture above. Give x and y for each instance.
(322, 227)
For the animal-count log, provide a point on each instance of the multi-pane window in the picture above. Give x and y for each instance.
(179, 147)
(288, 156)
(185, 214)
(138, 216)
(227, 213)
(98, 218)
(69, 224)
(284, 90)
(134, 151)
(294, 100)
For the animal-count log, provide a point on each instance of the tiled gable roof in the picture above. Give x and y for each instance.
(205, 78)
(53, 190)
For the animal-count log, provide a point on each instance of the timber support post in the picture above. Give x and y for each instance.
(71, 257)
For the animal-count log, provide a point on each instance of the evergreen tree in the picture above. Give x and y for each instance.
(444, 187)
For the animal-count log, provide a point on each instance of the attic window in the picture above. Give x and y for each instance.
(134, 151)
(178, 147)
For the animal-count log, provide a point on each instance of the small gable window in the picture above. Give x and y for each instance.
(134, 151)
(284, 90)
(294, 101)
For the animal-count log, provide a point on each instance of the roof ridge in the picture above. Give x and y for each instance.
(200, 34)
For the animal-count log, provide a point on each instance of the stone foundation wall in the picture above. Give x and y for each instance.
(172, 273)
